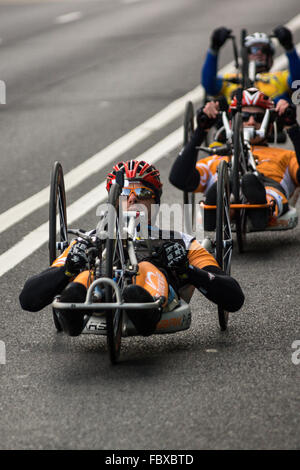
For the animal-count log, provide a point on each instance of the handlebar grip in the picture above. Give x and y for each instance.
(235, 80)
(290, 113)
(223, 150)
(202, 118)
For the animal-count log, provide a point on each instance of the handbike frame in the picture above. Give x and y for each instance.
(110, 316)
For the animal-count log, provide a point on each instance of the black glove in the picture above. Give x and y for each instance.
(174, 257)
(77, 259)
(218, 37)
(284, 36)
(203, 120)
(289, 117)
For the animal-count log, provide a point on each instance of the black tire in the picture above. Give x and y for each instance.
(188, 198)
(223, 231)
(58, 239)
(238, 169)
(114, 318)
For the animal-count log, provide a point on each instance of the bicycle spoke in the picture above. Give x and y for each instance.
(63, 229)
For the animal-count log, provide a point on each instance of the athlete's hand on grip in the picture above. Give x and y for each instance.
(219, 37)
(207, 115)
(284, 36)
(287, 113)
(175, 257)
(77, 259)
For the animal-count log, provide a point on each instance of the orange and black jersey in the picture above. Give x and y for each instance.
(279, 165)
(203, 273)
(197, 255)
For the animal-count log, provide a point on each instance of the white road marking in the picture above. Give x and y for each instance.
(39, 236)
(101, 159)
(127, 2)
(95, 163)
(294, 23)
(68, 17)
(282, 62)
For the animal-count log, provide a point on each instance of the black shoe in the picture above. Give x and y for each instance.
(255, 193)
(210, 220)
(72, 321)
(145, 321)
(210, 214)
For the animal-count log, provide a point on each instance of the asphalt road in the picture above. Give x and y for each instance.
(74, 85)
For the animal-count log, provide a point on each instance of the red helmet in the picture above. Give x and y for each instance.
(136, 170)
(253, 97)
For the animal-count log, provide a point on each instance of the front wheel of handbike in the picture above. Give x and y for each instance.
(223, 231)
(114, 318)
(58, 236)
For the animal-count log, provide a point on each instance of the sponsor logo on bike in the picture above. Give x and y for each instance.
(169, 322)
(96, 325)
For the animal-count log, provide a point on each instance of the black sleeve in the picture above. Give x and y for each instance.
(41, 289)
(217, 286)
(294, 134)
(183, 173)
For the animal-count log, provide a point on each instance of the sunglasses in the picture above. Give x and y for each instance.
(255, 49)
(258, 117)
(141, 193)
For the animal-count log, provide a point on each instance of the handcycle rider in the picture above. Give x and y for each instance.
(276, 84)
(278, 172)
(172, 267)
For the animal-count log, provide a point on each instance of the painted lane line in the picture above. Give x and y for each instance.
(18, 212)
(294, 23)
(95, 163)
(68, 17)
(39, 236)
(35, 239)
(282, 62)
(128, 2)
(101, 159)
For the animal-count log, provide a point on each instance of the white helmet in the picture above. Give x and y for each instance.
(262, 38)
